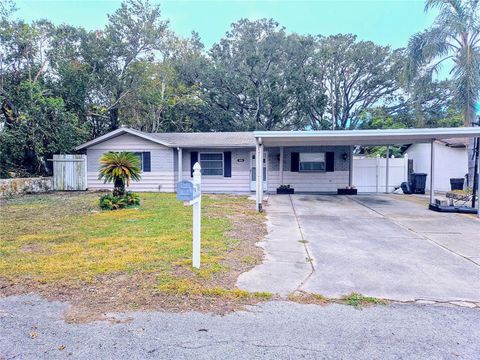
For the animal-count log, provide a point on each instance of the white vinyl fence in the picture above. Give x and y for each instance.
(369, 174)
(69, 172)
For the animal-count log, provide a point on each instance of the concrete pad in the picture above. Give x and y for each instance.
(284, 246)
(285, 265)
(468, 246)
(276, 277)
(377, 245)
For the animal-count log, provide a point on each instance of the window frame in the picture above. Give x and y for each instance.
(140, 155)
(324, 153)
(200, 153)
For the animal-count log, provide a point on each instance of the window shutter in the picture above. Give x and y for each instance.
(193, 160)
(147, 163)
(329, 161)
(227, 164)
(295, 162)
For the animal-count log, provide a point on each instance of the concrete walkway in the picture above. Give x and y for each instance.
(377, 245)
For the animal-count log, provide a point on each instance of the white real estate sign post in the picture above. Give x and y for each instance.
(197, 215)
(191, 194)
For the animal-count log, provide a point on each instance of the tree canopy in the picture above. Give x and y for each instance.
(61, 85)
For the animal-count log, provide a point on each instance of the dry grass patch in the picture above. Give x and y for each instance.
(64, 247)
(354, 299)
(358, 300)
(308, 298)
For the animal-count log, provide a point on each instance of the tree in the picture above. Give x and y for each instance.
(252, 83)
(424, 104)
(355, 76)
(43, 128)
(7, 7)
(134, 32)
(455, 37)
(120, 168)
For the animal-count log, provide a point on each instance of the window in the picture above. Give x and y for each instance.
(312, 162)
(211, 163)
(139, 155)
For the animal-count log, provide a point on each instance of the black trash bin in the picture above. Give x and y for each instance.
(417, 182)
(456, 183)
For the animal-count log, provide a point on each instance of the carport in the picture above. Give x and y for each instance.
(351, 138)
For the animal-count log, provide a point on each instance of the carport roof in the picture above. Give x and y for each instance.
(363, 137)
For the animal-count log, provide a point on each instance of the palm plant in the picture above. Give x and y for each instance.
(454, 36)
(119, 168)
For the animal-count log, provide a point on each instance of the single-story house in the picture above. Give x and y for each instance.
(227, 160)
(451, 160)
(309, 161)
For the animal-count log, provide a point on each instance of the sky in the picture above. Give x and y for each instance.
(387, 22)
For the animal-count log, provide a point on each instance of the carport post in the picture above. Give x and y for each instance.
(387, 169)
(432, 170)
(281, 165)
(478, 182)
(259, 174)
(350, 168)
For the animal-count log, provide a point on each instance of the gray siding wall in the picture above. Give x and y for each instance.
(240, 180)
(307, 181)
(161, 176)
(164, 167)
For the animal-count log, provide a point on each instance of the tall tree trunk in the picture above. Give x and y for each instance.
(113, 113)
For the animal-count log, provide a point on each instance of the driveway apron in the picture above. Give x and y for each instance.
(377, 245)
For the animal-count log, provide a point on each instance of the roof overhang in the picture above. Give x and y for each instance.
(362, 137)
(119, 132)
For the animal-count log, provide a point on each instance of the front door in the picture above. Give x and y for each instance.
(253, 171)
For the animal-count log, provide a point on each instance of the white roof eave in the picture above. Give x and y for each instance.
(119, 132)
(363, 137)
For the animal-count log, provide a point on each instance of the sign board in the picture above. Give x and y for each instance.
(187, 190)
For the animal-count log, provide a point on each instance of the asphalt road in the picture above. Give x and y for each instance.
(33, 328)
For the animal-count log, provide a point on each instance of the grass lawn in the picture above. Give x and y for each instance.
(64, 247)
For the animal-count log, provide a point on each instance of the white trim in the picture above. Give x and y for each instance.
(363, 137)
(118, 132)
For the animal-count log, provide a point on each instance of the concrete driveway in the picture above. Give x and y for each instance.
(377, 245)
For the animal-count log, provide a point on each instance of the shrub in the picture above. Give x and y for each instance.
(111, 202)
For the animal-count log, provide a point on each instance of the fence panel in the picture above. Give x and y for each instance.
(69, 172)
(369, 174)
